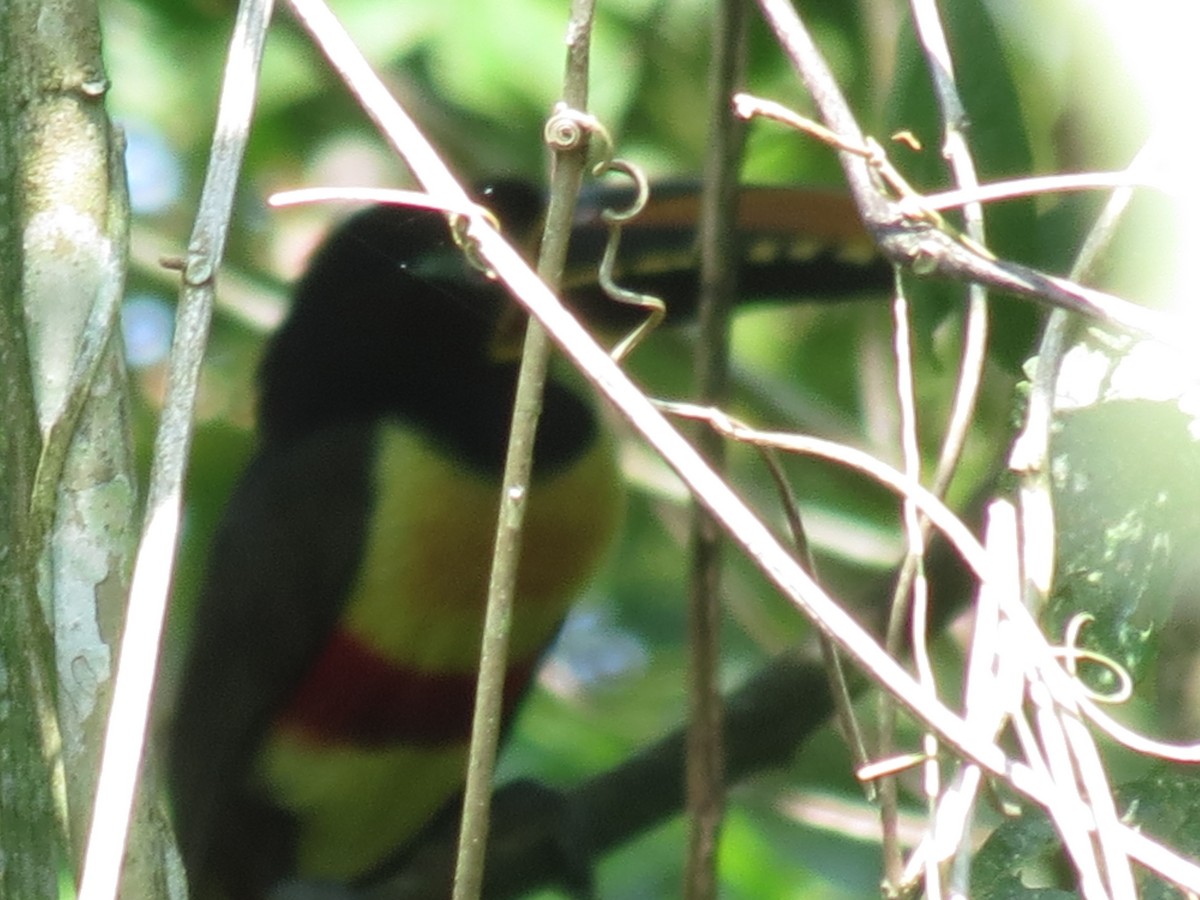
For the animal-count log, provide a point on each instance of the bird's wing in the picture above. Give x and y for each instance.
(277, 575)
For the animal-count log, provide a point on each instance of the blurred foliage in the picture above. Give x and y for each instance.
(1044, 91)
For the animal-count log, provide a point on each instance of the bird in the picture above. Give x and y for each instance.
(323, 715)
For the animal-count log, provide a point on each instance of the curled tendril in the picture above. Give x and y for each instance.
(641, 187)
(1071, 653)
(460, 231)
(654, 307)
(567, 129)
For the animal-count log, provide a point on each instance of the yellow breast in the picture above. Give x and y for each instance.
(418, 603)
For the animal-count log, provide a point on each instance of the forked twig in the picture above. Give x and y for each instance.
(929, 250)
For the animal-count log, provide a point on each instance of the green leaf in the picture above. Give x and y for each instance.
(1127, 483)
(1021, 860)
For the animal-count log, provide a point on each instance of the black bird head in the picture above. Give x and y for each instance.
(390, 318)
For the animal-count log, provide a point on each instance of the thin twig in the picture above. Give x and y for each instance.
(843, 700)
(1086, 762)
(975, 326)
(958, 155)
(393, 122)
(493, 654)
(126, 731)
(915, 599)
(1071, 815)
(566, 176)
(748, 106)
(1030, 453)
(1023, 188)
(994, 688)
(718, 267)
(931, 506)
(417, 199)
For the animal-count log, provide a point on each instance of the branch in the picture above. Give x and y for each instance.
(63, 221)
(921, 245)
(31, 832)
(718, 275)
(567, 174)
(974, 351)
